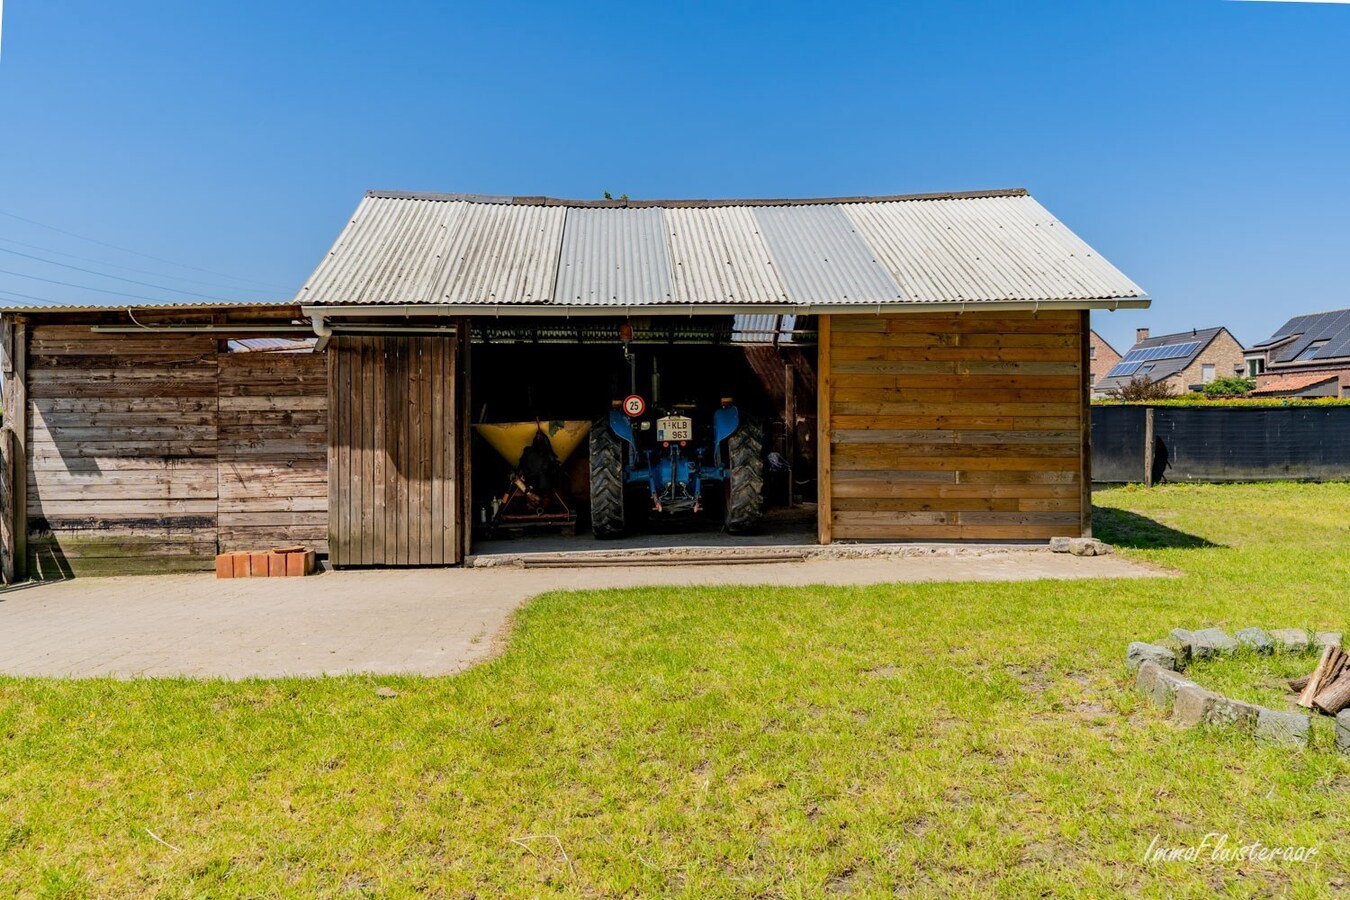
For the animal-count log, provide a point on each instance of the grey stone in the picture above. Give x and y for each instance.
(1209, 642)
(1193, 704)
(1343, 731)
(1233, 713)
(1284, 728)
(1165, 686)
(1183, 637)
(1083, 547)
(1294, 640)
(1180, 649)
(1059, 544)
(1257, 639)
(1323, 638)
(386, 693)
(1139, 652)
(1147, 677)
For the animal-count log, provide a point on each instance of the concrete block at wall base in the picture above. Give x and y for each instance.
(1234, 714)
(1285, 729)
(1059, 544)
(1140, 652)
(1256, 639)
(1193, 705)
(1209, 642)
(1293, 640)
(1343, 731)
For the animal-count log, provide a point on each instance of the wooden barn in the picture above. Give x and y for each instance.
(918, 366)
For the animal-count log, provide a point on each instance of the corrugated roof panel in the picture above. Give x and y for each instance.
(503, 254)
(614, 257)
(983, 249)
(392, 251)
(718, 255)
(820, 256)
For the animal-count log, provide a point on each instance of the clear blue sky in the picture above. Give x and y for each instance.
(1202, 145)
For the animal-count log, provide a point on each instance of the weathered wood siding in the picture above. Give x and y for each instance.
(946, 427)
(121, 452)
(392, 451)
(149, 453)
(273, 450)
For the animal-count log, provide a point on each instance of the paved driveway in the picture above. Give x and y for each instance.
(424, 621)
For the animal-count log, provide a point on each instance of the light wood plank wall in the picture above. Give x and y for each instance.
(122, 452)
(967, 426)
(148, 453)
(273, 451)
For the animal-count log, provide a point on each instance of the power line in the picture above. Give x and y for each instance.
(85, 287)
(101, 262)
(128, 249)
(158, 287)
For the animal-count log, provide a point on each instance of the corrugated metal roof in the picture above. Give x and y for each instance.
(614, 257)
(719, 255)
(463, 250)
(821, 257)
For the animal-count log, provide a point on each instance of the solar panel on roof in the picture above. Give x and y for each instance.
(1122, 369)
(1167, 351)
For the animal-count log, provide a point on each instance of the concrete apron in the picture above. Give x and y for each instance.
(400, 621)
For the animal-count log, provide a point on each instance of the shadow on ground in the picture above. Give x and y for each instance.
(1126, 529)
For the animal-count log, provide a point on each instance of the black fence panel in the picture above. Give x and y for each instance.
(1117, 443)
(1228, 444)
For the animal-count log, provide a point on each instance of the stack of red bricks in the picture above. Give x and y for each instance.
(279, 561)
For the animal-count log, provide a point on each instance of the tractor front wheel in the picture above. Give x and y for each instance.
(745, 479)
(606, 481)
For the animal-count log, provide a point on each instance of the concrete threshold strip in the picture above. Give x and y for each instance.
(749, 555)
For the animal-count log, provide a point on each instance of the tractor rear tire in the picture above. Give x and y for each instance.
(607, 519)
(745, 479)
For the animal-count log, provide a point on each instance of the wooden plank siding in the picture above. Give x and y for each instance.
(273, 451)
(121, 452)
(150, 453)
(392, 451)
(966, 426)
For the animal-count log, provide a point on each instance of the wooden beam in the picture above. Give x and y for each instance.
(1085, 421)
(824, 508)
(1148, 446)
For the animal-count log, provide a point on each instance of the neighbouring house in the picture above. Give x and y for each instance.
(1102, 357)
(1186, 361)
(919, 364)
(1309, 356)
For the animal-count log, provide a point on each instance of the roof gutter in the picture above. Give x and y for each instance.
(320, 314)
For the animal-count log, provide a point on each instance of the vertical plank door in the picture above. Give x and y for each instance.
(392, 451)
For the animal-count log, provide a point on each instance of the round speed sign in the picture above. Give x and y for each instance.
(634, 405)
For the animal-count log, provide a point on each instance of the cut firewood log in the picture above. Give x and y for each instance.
(1335, 696)
(1329, 655)
(1298, 684)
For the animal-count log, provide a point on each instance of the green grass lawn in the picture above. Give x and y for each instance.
(943, 740)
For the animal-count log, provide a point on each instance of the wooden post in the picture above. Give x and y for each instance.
(1148, 446)
(790, 421)
(1085, 422)
(824, 513)
(14, 449)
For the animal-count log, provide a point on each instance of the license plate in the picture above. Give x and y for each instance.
(674, 428)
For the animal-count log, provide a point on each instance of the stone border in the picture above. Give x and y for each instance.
(1160, 667)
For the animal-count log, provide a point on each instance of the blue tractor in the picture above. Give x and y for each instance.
(676, 469)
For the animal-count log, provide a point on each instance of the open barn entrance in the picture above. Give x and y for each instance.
(599, 433)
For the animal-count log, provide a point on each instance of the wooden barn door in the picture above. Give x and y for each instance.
(392, 493)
